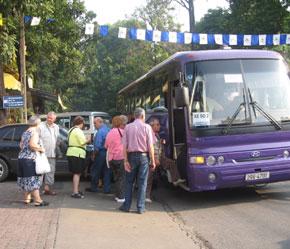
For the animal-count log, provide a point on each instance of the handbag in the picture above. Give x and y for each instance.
(41, 164)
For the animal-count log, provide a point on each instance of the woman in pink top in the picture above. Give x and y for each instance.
(116, 157)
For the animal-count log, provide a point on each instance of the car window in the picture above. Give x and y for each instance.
(18, 132)
(7, 133)
(63, 133)
(3, 131)
(63, 122)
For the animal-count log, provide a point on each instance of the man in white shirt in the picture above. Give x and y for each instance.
(48, 133)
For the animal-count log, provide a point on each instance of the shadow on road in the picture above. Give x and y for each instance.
(12, 197)
(202, 200)
(285, 244)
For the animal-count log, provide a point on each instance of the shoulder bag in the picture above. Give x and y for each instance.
(41, 164)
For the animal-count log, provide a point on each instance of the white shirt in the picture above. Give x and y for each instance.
(48, 137)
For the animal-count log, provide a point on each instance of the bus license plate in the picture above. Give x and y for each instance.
(257, 176)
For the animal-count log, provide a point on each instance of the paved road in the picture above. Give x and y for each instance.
(234, 218)
(92, 222)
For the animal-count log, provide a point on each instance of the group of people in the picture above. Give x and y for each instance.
(128, 153)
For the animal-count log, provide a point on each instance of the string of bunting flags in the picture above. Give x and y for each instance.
(178, 37)
(34, 21)
(204, 39)
(194, 38)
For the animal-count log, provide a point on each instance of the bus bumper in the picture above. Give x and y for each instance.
(204, 178)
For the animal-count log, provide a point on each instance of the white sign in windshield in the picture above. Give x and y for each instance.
(201, 119)
(233, 78)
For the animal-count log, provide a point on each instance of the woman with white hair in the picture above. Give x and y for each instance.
(27, 178)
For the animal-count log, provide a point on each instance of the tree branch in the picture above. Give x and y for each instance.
(183, 3)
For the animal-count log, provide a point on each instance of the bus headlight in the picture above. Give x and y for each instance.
(221, 160)
(210, 160)
(285, 153)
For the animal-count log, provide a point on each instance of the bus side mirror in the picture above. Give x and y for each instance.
(181, 96)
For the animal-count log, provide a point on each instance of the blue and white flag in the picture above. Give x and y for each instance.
(122, 33)
(172, 37)
(233, 40)
(89, 29)
(203, 39)
(262, 40)
(104, 30)
(141, 34)
(35, 21)
(218, 38)
(287, 39)
(247, 40)
(276, 39)
(156, 36)
(187, 38)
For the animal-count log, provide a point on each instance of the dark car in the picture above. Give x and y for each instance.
(10, 136)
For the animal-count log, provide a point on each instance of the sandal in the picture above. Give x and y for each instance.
(77, 195)
(49, 192)
(41, 204)
(28, 201)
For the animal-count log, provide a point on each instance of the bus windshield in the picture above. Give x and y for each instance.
(220, 89)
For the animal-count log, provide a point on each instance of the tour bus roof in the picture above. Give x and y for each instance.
(203, 55)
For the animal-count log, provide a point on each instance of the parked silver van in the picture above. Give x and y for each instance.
(65, 119)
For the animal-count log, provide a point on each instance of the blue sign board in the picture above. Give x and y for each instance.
(13, 101)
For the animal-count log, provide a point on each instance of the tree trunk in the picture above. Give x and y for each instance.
(2, 93)
(23, 64)
(191, 18)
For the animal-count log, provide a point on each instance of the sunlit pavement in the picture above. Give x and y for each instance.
(92, 222)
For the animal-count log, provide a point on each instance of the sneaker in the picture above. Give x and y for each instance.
(77, 196)
(139, 211)
(148, 200)
(120, 200)
(41, 204)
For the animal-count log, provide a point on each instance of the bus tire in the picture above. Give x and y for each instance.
(4, 170)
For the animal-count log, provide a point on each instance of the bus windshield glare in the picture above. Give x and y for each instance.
(221, 89)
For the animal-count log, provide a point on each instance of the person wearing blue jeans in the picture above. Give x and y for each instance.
(139, 163)
(138, 148)
(98, 167)
(100, 164)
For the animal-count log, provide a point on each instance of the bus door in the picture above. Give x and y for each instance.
(177, 131)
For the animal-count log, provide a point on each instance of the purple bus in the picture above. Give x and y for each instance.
(225, 115)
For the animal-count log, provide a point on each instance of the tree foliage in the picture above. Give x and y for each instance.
(88, 71)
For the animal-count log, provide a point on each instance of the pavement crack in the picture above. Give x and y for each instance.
(56, 227)
(194, 236)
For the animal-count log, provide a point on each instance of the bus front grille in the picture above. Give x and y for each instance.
(254, 159)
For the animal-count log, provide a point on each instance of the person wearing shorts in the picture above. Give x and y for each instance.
(76, 154)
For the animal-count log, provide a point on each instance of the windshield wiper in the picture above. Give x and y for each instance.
(232, 119)
(257, 107)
